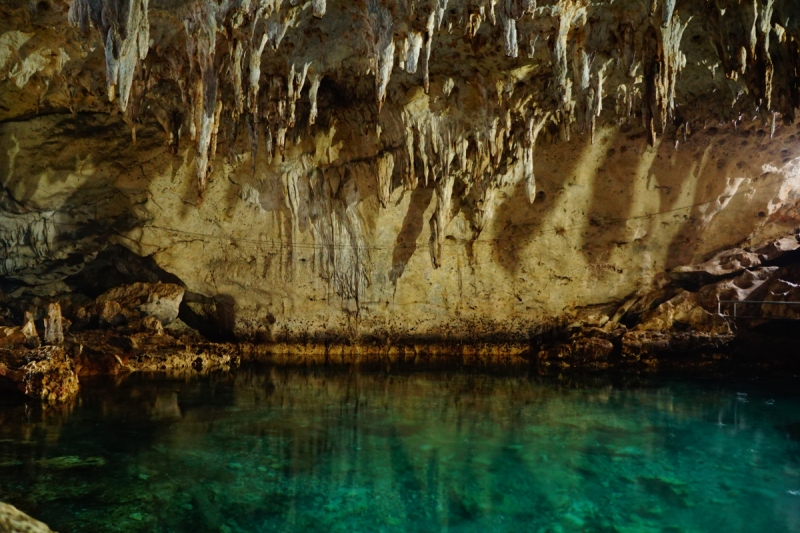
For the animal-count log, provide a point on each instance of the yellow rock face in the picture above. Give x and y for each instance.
(387, 170)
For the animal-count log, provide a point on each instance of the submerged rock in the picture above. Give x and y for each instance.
(12, 520)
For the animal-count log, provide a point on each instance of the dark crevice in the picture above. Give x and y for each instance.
(115, 266)
(214, 317)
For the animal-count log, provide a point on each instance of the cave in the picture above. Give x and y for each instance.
(400, 265)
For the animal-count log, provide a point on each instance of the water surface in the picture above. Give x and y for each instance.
(318, 451)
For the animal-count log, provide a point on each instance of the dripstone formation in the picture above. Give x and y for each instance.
(403, 173)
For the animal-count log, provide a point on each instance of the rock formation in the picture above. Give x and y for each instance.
(53, 328)
(44, 373)
(415, 171)
(15, 521)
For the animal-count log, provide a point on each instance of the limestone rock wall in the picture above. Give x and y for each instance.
(447, 170)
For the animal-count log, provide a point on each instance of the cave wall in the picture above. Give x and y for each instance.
(399, 205)
(305, 248)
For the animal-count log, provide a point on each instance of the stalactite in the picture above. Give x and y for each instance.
(215, 129)
(441, 218)
(427, 58)
(510, 36)
(409, 176)
(384, 170)
(236, 73)
(462, 132)
(252, 130)
(667, 11)
(415, 47)
(268, 142)
(382, 46)
(599, 80)
(318, 8)
(474, 24)
(671, 62)
(133, 48)
(201, 27)
(765, 65)
(312, 97)
(570, 13)
(281, 142)
(535, 125)
(485, 192)
(256, 50)
(441, 6)
(294, 84)
(125, 32)
(581, 65)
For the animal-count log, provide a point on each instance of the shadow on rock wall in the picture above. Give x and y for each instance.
(71, 186)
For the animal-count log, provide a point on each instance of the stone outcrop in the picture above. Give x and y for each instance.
(130, 303)
(122, 352)
(12, 520)
(20, 336)
(46, 373)
(53, 325)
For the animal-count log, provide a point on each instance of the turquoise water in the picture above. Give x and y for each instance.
(284, 450)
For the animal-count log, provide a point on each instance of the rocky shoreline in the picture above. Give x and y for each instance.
(680, 325)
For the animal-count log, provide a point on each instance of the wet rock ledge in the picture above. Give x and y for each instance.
(129, 328)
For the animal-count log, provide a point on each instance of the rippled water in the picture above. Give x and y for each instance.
(282, 450)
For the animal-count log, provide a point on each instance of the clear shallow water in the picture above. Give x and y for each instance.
(283, 450)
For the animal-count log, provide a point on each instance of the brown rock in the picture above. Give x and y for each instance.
(578, 350)
(591, 349)
(44, 373)
(774, 249)
(139, 300)
(110, 313)
(53, 331)
(780, 291)
(11, 338)
(723, 264)
(19, 337)
(638, 345)
(684, 311)
(12, 520)
(151, 324)
(29, 330)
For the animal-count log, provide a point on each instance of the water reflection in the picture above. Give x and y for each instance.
(284, 450)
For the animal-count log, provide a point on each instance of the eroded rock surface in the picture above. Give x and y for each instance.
(129, 303)
(46, 373)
